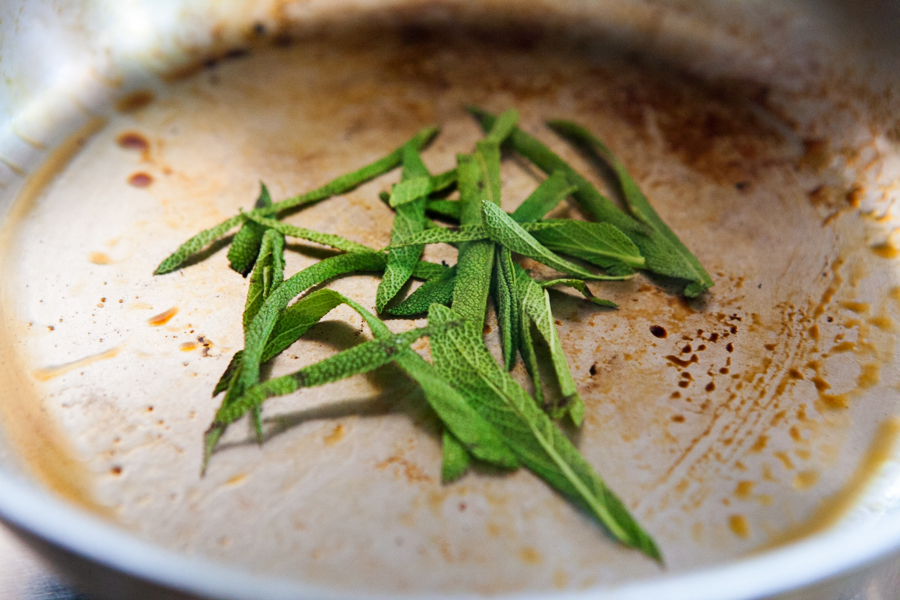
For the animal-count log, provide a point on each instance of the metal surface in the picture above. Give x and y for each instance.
(763, 133)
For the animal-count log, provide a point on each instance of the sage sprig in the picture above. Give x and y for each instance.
(664, 255)
(340, 185)
(485, 414)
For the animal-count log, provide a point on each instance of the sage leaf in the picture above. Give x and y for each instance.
(455, 458)
(535, 305)
(636, 200)
(582, 287)
(268, 273)
(340, 185)
(476, 259)
(245, 245)
(460, 354)
(506, 300)
(544, 198)
(353, 361)
(506, 232)
(663, 257)
(438, 290)
(448, 209)
(326, 239)
(410, 189)
(409, 219)
(600, 244)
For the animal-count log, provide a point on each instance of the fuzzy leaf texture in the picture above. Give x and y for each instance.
(506, 232)
(600, 244)
(460, 354)
(438, 290)
(409, 219)
(544, 198)
(455, 459)
(245, 245)
(535, 304)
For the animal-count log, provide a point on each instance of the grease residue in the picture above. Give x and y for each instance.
(163, 317)
(831, 510)
(140, 179)
(134, 101)
(48, 373)
(739, 525)
(336, 435)
(131, 140)
(35, 436)
(99, 258)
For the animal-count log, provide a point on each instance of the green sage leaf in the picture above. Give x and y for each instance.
(245, 245)
(506, 232)
(636, 201)
(340, 185)
(460, 354)
(455, 459)
(663, 257)
(408, 220)
(544, 198)
(438, 290)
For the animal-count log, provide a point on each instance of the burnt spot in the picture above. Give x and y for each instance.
(658, 331)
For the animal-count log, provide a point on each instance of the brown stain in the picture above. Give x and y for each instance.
(884, 323)
(236, 480)
(413, 472)
(658, 331)
(830, 510)
(712, 130)
(560, 579)
(885, 250)
(132, 140)
(336, 435)
(805, 480)
(99, 258)
(760, 444)
(35, 436)
(530, 556)
(675, 360)
(857, 307)
(50, 372)
(188, 346)
(134, 101)
(140, 179)
(163, 317)
(785, 460)
(739, 525)
(869, 376)
(744, 489)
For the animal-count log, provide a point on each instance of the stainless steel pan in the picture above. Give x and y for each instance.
(756, 440)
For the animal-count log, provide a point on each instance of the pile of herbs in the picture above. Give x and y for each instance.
(486, 415)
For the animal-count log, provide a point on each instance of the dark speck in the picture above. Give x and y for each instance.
(593, 369)
(259, 29)
(742, 185)
(237, 53)
(658, 331)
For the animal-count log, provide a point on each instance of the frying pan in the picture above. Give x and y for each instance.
(755, 440)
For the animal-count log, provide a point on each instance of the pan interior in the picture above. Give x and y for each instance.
(765, 413)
